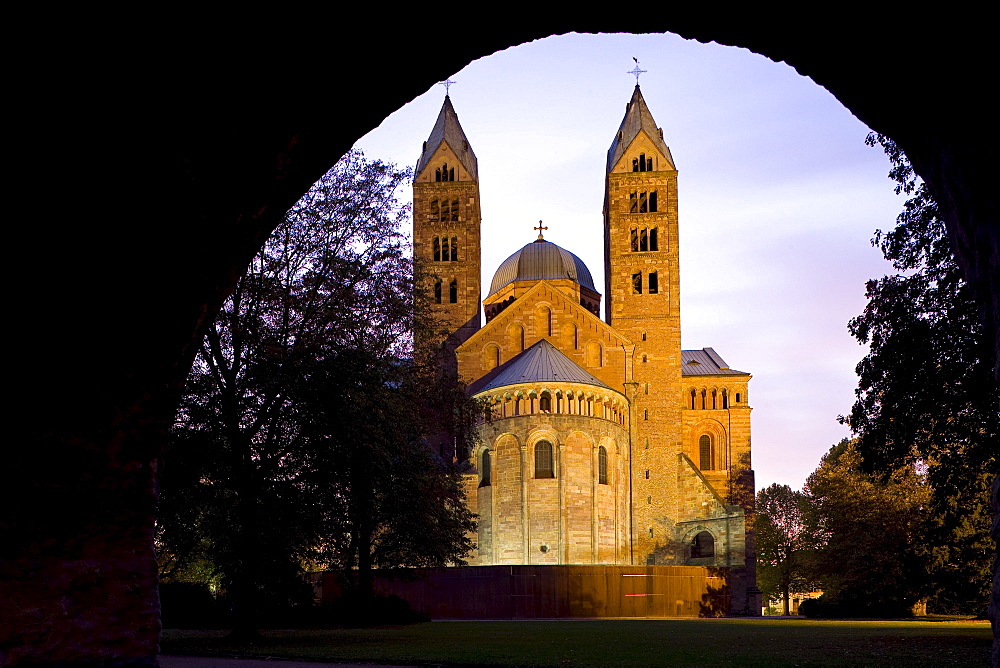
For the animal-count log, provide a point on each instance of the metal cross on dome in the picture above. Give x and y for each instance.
(540, 228)
(636, 70)
(447, 83)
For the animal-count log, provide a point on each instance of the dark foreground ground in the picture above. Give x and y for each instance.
(671, 642)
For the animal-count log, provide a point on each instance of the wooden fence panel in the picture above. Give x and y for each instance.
(547, 592)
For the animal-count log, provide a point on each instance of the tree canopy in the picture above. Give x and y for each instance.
(926, 395)
(782, 545)
(301, 437)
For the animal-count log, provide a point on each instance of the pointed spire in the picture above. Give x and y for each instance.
(637, 117)
(448, 129)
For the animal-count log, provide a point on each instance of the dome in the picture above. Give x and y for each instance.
(541, 260)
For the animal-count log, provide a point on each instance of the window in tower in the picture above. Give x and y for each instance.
(454, 211)
(445, 210)
(435, 211)
(602, 466)
(437, 289)
(645, 415)
(725, 399)
(647, 474)
(633, 203)
(643, 203)
(635, 241)
(543, 460)
(453, 292)
(703, 400)
(451, 174)
(737, 397)
(693, 395)
(437, 174)
(545, 403)
(714, 398)
(652, 201)
(485, 472)
(643, 240)
(637, 283)
(705, 453)
(437, 249)
(454, 249)
(644, 336)
(654, 283)
(653, 241)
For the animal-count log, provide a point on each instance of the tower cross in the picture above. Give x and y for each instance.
(447, 83)
(540, 228)
(636, 70)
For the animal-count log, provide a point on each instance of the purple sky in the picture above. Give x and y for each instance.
(778, 197)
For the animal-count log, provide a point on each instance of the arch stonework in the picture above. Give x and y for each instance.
(219, 193)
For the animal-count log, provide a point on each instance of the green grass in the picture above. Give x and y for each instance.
(690, 642)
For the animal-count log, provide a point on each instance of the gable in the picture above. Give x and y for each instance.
(545, 312)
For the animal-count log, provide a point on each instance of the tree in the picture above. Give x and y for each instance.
(255, 486)
(867, 533)
(782, 552)
(925, 392)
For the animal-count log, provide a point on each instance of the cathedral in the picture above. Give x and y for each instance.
(601, 441)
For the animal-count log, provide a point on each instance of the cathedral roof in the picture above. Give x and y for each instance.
(447, 128)
(706, 362)
(637, 117)
(541, 362)
(538, 261)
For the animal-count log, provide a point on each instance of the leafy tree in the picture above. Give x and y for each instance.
(867, 533)
(257, 482)
(782, 549)
(926, 394)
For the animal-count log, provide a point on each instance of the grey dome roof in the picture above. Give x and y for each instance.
(541, 260)
(542, 362)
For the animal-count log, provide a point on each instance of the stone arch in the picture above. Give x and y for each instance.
(543, 320)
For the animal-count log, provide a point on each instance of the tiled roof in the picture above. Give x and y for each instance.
(447, 128)
(541, 362)
(538, 261)
(706, 362)
(637, 117)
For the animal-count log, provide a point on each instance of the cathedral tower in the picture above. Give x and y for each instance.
(643, 303)
(446, 225)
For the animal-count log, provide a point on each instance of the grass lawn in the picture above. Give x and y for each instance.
(675, 642)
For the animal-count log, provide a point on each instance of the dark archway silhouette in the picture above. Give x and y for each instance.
(154, 164)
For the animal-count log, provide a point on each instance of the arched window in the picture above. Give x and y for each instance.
(453, 292)
(454, 249)
(437, 292)
(654, 243)
(652, 207)
(486, 470)
(543, 460)
(654, 283)
(454, 211)
(545, 403)
(445, 210)
(491, 356)
(702, 545)
(737, 397)
(693, 395)
(725, 398)
(643, 240)
(435, 211)
(635, 241)
(715, 396)
(595, 354)
(637, 283)
(437, 249)
(706, 461)
(703, 406)
(602, 466)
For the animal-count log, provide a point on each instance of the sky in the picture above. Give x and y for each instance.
(778, 200)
